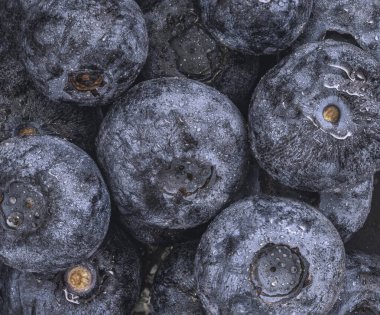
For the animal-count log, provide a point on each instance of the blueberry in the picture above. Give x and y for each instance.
(86, 53)
(349, 20)
(348, 208)
(24, 111)
(54, 204)
(174, 153)
(269, 255)
(174, 289)
(181, 46)
(361, 294)
(256, 27)
(314, 118)
(106, 283)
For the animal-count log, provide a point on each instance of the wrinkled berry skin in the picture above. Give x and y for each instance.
(314, 120)
(361, 294)
(173, 152)
(180, 46)
(55, 205)
(256, 27)
(117, 268)
(86, 53)
(345, 17)
(174, 289)
(242, 240)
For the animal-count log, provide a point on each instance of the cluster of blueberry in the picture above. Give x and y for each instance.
(123, 127)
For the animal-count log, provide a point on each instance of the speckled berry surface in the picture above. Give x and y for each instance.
(54, 203)
(173, 152)
(256, 27)
(116, 271)
(87, 53)
(314, 118)
(268, 255)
